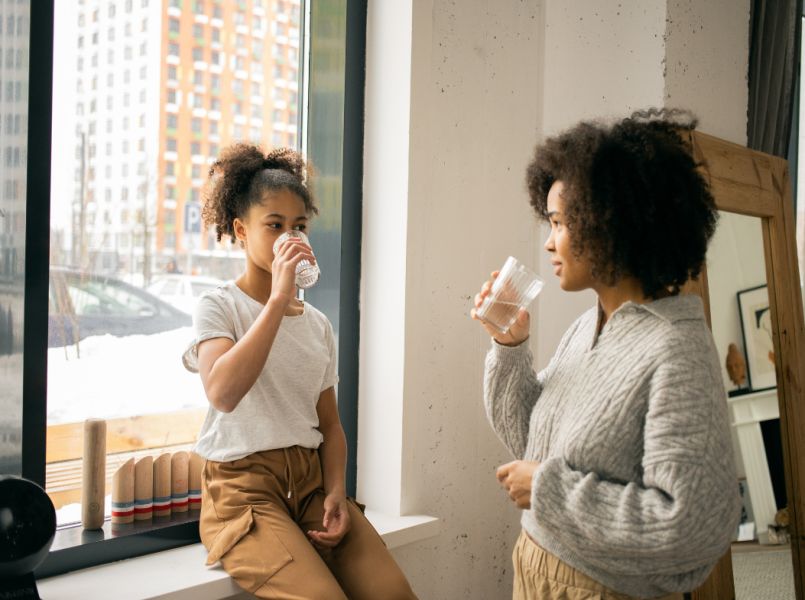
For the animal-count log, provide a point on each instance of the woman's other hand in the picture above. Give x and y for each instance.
(515, 477)
(517, 333)
(283, 269)
(336, 522)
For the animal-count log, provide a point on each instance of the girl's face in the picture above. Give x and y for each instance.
(574, 272)
(280, 211)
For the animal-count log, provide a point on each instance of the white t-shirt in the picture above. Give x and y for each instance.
(279, 410)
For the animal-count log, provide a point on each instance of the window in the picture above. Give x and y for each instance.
(126, 246)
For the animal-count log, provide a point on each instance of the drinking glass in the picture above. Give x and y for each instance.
(515, 287)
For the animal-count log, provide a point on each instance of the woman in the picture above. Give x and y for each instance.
(274, 507)
(625, 472)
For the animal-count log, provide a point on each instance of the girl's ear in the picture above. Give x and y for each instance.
(239, 227)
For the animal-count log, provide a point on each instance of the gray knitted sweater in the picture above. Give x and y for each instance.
(637, 486)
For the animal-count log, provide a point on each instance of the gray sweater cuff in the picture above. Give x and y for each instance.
(510, 355)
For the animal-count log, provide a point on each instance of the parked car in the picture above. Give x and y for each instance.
(85, 304)
(182, 291)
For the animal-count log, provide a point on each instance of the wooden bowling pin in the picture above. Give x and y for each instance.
(179, 475)
(162, 486)
(194, 481)
(93, 474)
(123, 493)
(144, 489)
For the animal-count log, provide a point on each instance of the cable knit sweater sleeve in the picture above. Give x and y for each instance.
(512, 387)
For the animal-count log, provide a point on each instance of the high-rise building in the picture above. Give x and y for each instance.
(231, 74)
(14, 28)
(161, 87)
(116, 134)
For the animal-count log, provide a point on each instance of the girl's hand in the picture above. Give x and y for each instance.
(336, 522)
(283, 268)
(517, 333)
(515, 477)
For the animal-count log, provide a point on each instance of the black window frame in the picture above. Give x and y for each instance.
(75, 548)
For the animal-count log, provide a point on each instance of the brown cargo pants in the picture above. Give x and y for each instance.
(254, 515)
(539, 575)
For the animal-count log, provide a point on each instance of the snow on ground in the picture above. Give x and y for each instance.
(107, 377)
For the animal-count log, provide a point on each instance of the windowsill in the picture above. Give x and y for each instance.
(180, 573)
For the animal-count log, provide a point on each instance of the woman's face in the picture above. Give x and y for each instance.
(574, 272)
(280, 211)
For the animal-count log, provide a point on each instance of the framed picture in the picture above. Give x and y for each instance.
(753, 307)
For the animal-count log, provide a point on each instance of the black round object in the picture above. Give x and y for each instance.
(27, 525)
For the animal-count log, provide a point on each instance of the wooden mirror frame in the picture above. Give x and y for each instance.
(755, 184)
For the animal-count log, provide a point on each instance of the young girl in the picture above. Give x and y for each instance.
(274, 508)
(625, 472)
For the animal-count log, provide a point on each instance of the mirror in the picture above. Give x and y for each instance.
(742, 329)
(753, 192)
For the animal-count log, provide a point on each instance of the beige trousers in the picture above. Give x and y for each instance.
(254, 515)
(539, 575)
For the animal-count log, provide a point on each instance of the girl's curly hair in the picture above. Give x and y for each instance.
(634, 201)
(241, 176)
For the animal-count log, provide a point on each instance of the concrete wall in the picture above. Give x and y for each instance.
(458, 94)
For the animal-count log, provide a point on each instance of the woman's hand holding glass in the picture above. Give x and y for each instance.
(283, 269)
(519, 330)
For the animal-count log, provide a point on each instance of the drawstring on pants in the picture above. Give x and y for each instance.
(289, 474)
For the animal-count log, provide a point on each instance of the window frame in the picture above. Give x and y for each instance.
(73, 547)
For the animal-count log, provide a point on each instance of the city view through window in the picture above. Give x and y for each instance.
(146, 94)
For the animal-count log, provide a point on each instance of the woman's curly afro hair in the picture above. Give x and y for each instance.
(242, 175)
(634, 201)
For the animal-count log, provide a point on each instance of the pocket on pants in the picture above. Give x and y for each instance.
(229, 535)
(562, 591)
(249, 550)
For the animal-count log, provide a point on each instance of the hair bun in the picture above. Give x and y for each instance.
(681, 118)
(286, 159)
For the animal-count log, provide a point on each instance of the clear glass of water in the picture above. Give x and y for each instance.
(307, 273)
(515, 287)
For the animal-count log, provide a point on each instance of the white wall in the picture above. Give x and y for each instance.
(448, 136)
(707, 64)
(735, 261)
